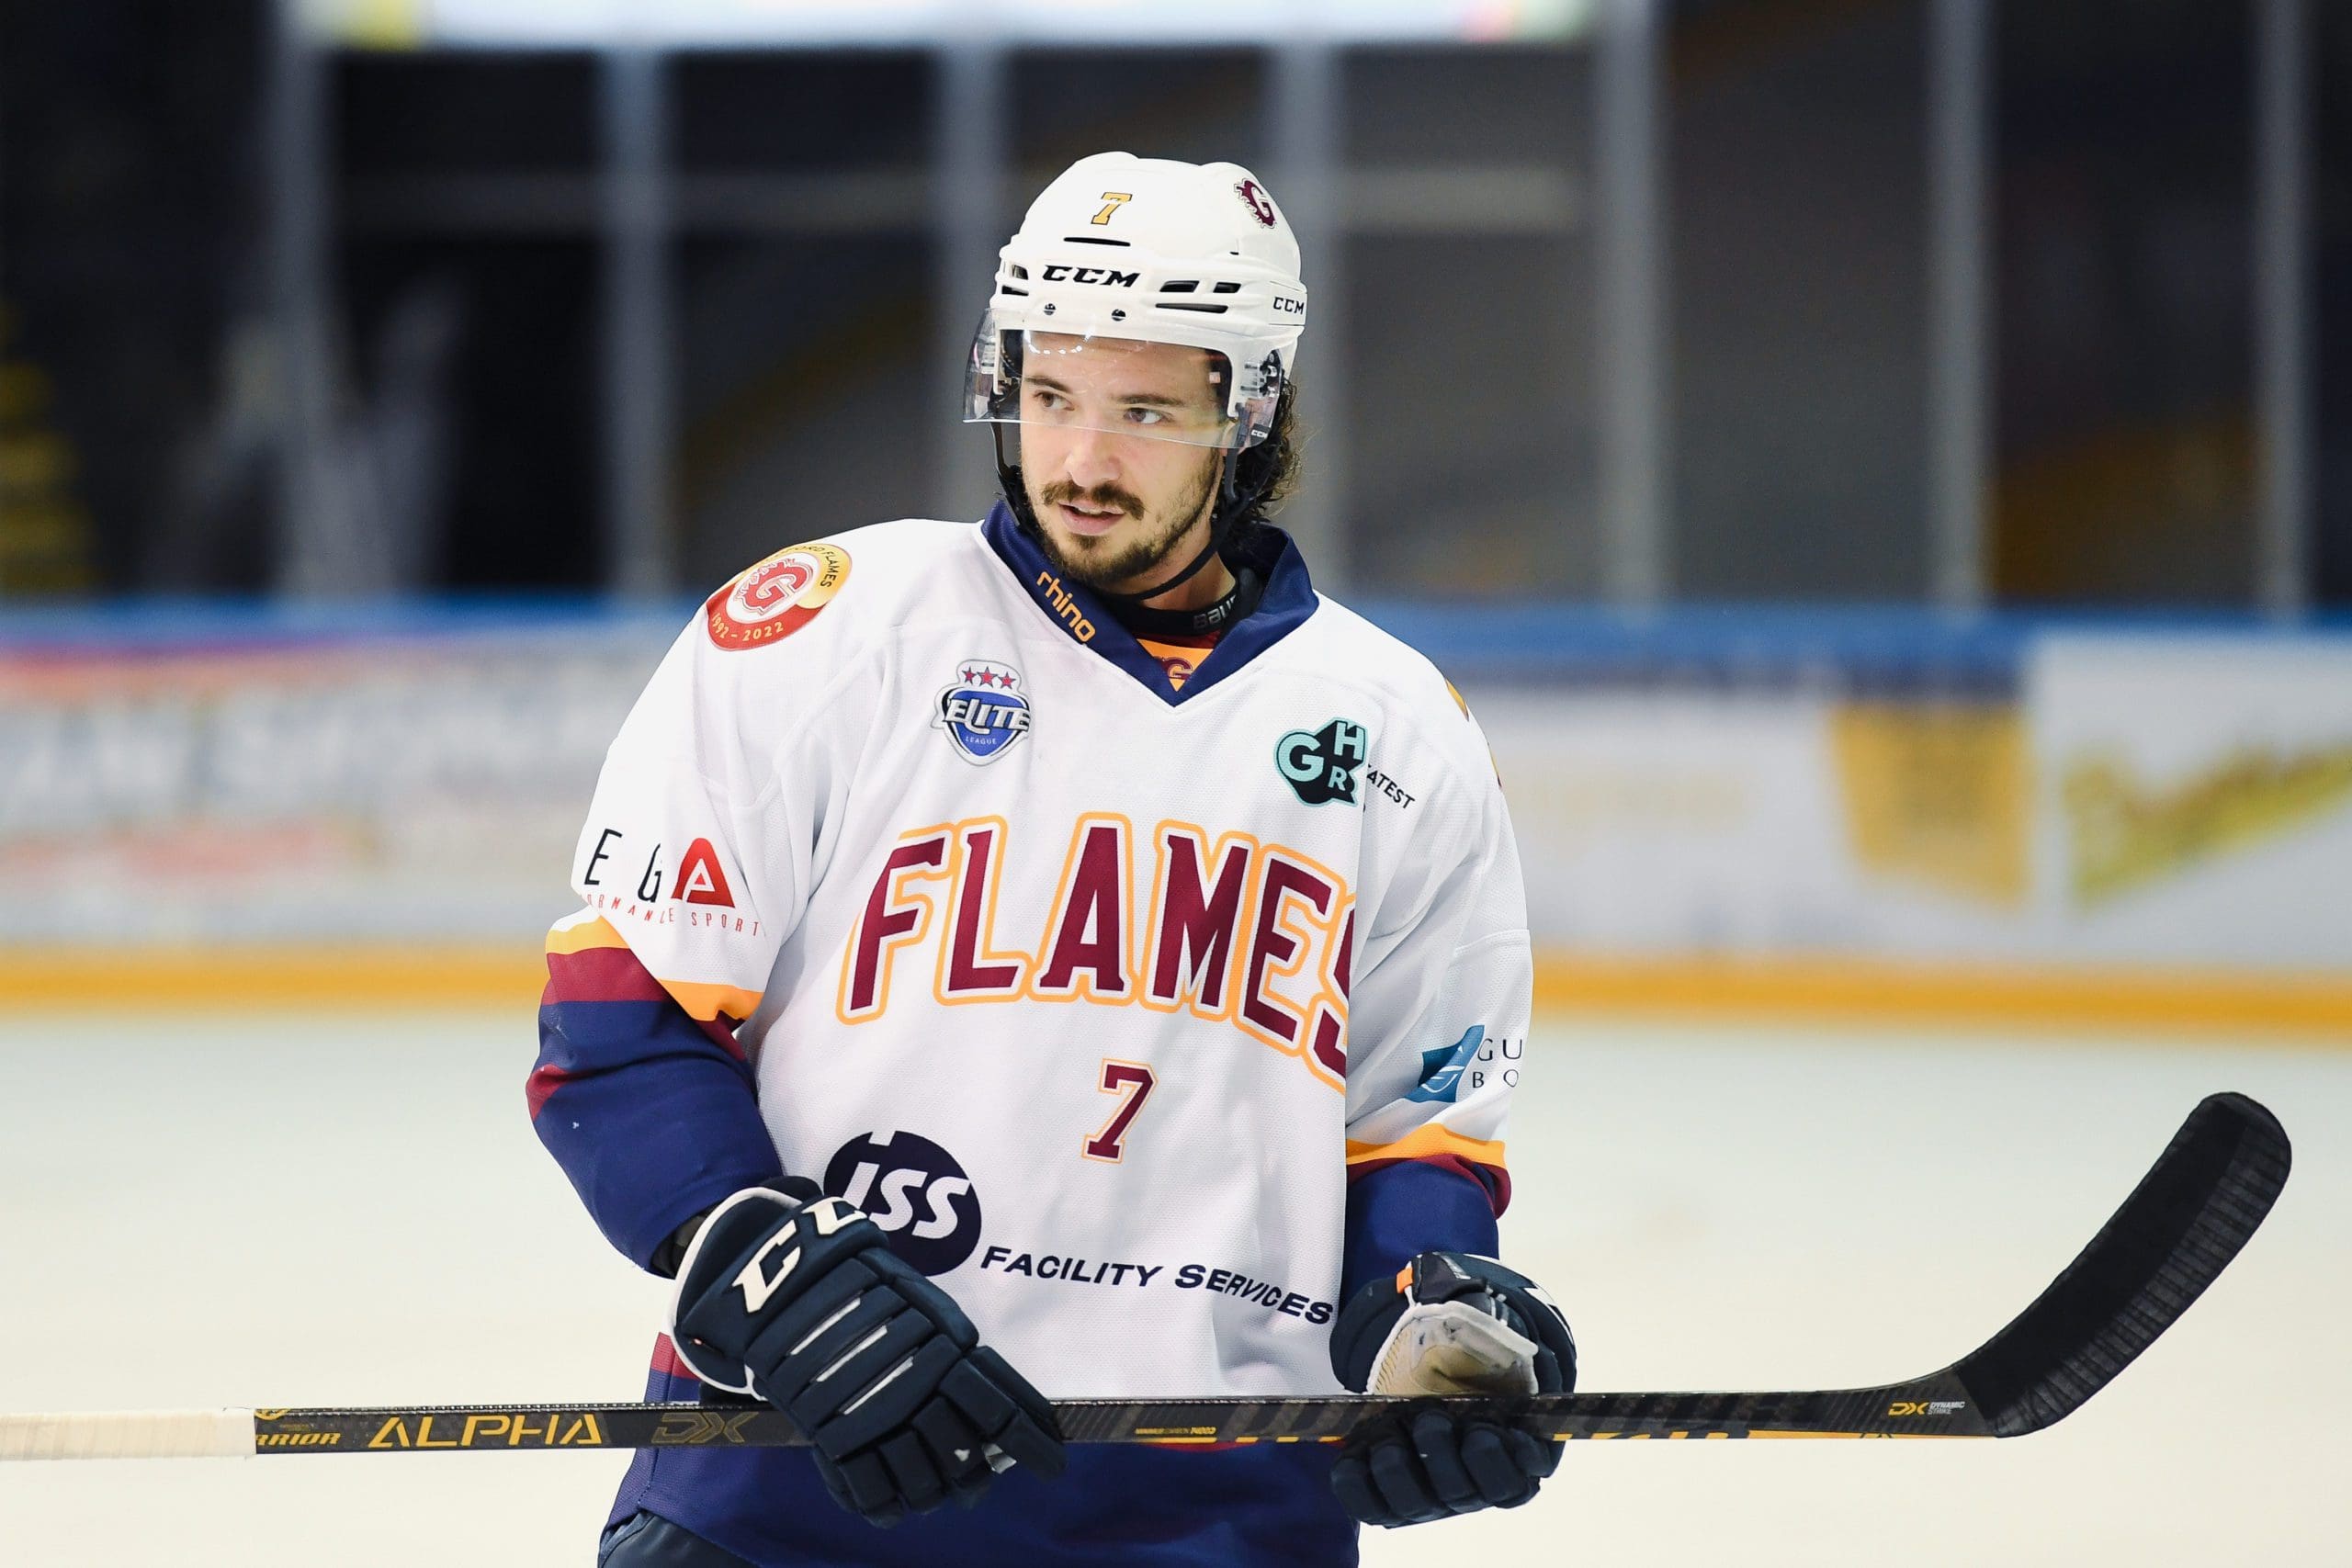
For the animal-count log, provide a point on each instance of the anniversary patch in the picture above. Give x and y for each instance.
(776, 597)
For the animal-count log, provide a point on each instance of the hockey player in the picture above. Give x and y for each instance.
(1067, 953)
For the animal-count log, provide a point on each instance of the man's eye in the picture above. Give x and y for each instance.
(1148, 416)
(1045, 400)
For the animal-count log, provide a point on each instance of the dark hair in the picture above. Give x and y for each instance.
(1270, 468)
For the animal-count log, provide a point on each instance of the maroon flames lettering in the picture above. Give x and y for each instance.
(1257, 935)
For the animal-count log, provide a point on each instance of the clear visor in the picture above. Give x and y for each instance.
(1159, 392)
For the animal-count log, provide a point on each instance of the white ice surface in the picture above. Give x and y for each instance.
(351, 1209)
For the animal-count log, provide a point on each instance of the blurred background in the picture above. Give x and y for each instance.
(1879, 469)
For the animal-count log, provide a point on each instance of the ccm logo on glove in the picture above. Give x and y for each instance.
(827, 1215)
(796, 1298)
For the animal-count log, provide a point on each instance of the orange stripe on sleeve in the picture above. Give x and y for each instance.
(704, 1002)
(1430, 1142)
(576, 935)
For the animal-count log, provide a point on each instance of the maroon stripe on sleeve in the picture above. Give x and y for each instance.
(666, 1360)
(600, 974)
(543, 1082)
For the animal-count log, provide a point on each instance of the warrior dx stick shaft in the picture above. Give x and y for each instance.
(2191, 1214)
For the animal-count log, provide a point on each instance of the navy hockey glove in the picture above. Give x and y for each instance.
(1449, 1323)
(796, 1299)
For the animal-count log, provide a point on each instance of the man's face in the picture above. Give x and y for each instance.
(1114, 495)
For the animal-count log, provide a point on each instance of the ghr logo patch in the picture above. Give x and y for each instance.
(1320, 765)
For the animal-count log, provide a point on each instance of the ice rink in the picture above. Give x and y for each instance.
(351, 1209)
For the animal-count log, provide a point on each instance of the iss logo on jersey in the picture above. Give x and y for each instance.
(1320, 765)
(776, 597)
(914, 1191)
(983, 712)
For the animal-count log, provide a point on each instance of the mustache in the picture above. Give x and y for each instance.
(1101, 498)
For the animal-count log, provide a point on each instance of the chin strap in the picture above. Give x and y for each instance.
(1209, 620)
(1232, 503)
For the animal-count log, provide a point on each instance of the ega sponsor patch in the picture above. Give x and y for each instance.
(777, 597)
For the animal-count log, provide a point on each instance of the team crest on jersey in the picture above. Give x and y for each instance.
(983, 711)
(776, 597)
(1320, 765)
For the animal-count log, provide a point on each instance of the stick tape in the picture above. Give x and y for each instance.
(130, 1434)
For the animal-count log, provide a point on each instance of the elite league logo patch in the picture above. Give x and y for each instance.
(983, 712)
(776, 597)
(1320, 765)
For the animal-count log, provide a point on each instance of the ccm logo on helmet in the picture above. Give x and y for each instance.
(1062, 272)
(1286, 306)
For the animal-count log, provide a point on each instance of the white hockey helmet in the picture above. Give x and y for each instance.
(1121, 251)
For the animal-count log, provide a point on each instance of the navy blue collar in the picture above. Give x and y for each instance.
(1288, 599)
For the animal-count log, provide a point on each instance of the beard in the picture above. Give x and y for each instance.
(1109, 561)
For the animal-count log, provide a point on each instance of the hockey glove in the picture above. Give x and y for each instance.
(1449, 1323)
(796, 1299)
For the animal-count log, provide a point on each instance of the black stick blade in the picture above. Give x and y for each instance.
(2190, 1215)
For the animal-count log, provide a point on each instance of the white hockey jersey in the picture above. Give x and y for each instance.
(1091, 991)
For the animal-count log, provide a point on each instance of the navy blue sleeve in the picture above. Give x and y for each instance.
(652, 1113)
(1412, 1206)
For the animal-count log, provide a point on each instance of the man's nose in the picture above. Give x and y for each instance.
(1092, 460)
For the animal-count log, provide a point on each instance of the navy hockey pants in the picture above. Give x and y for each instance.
(649, 1541)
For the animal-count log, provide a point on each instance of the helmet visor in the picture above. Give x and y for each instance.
(1154, 391)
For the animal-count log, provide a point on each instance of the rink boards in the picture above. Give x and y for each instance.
(1871, 813)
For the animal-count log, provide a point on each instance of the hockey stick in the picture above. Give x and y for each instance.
(2179, 1228)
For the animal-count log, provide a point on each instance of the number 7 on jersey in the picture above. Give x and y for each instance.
(1132, 1081)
